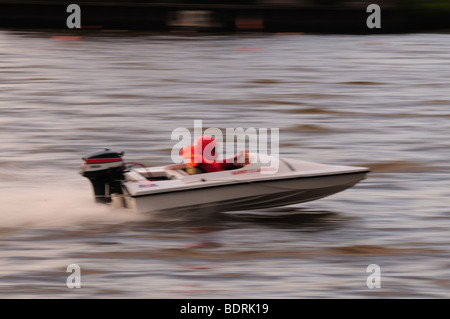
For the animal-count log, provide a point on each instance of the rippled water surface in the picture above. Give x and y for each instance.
(377, 101)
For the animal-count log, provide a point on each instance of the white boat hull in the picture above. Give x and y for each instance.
(246, 196)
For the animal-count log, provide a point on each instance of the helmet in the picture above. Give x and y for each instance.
(202, 151)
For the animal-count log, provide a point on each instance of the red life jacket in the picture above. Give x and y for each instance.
(202, 154)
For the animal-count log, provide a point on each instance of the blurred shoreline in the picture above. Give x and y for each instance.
(313, 16)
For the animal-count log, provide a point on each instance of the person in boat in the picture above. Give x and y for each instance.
(201, 157)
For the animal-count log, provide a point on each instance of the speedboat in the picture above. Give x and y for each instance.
(148, 189)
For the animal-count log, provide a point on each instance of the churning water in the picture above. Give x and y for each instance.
(379, 101)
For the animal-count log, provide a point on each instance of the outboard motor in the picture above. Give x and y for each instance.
(105, 171)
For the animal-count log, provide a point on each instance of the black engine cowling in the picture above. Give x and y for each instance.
(105, 171)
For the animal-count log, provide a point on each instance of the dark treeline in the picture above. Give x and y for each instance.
(322, 16)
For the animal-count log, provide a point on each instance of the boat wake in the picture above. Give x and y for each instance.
(70, 205)
(52, 206)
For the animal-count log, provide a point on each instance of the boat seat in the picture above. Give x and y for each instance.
(192, 170)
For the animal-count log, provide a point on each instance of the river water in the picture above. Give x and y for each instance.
(379, 101)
